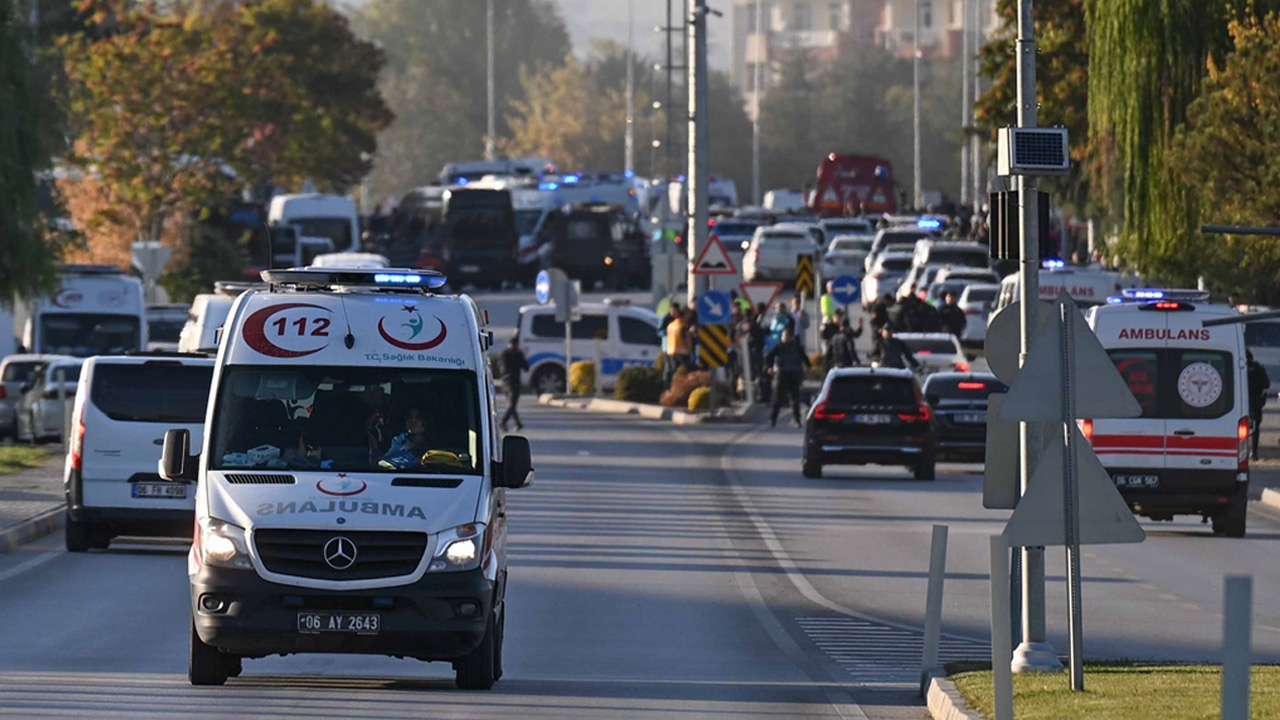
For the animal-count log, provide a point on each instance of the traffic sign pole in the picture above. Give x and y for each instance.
(1071, 500)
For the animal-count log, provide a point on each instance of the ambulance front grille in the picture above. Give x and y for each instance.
(260, 479)
(378, 554)
(426, 482)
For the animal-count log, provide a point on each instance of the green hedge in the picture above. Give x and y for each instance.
(638, 383)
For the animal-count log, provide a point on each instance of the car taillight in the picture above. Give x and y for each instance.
(821, 412)
(962, 366)
(1086, 428)
(922, 414)
(1242, 452)
(77, 446)
(968, 385)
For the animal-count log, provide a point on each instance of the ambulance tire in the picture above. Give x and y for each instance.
(478, 669)
(79, 536)
(924, 467)
(1233, 522)
(206, 665)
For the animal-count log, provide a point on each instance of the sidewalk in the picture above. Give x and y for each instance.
(31, 502)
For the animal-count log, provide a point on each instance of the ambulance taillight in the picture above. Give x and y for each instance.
(1242, 453)
(1086, 429)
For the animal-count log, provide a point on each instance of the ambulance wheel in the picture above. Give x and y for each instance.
(478, 669)
(548, 379)
(206, 666)
(79, 536)
(1232, 523)
(812, 470)
(924, 467)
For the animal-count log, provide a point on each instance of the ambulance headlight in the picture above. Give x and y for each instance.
(222, 544)
(460, 548)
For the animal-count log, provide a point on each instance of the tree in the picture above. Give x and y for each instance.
(1226, 152)
(435, 78)
(26, 262)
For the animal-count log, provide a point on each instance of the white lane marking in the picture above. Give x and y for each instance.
(28, 565)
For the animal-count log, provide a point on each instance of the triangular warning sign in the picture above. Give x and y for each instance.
(713, 260)
(758, 293)
(830, 196)
(1040, 518)
(1099, 390)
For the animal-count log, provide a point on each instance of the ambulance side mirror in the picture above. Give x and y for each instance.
(176, 464)
(516, 470)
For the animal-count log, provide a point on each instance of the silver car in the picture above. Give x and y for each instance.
(885, 275)
(39, 414)
(15, 371)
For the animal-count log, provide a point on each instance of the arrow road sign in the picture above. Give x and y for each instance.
(713, 308)
(714, 260)
(542, 288)
(846, 290)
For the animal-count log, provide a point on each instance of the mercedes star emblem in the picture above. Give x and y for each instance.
(340, 553)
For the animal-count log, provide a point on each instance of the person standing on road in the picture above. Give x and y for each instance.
(801, 316)
(788, 361)
(880, 313)
(1258, 384)
(891, 352)
(679, 349)
(952, 317)
(513, 363)
(841, 350)
(782, 320)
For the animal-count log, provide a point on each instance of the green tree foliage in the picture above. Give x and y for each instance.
(1227, 153)
(25, 257)
(435, 78)
(1062, 83)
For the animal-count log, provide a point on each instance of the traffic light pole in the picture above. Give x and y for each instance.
(1034, 653)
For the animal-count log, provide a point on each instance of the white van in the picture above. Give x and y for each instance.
(351, 484)
(319, 216)
(123, 407)
(629, 336)
(1087, 286)
(96, 310)
(1188, 454)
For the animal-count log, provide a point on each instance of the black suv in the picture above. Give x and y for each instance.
(959, 403)
(866, 415)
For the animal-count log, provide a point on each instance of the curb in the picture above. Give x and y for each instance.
(652, 412)
(34, 528)
(945, 701)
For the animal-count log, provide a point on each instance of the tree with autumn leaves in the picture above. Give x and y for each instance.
(178, 107)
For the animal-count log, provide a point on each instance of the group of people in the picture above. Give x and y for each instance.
(910, 313)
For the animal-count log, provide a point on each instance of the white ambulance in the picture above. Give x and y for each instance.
(1188, 452)
(351, 493)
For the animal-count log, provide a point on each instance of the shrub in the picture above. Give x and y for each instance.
(815, 359)
(682, 385)
(638, 383)
(582, 377)
(700, 400)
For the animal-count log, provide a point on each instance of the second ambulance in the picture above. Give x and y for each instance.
(351, 493)
(1188, 452)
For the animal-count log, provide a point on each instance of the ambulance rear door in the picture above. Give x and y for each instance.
(1133, 449)
(1202, 401)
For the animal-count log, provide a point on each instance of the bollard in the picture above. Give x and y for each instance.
(933, 605)
(748, 378)
(1237, 612)
(1001, 631)
(599, 370)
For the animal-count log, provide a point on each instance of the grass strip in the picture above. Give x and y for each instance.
(16, 458)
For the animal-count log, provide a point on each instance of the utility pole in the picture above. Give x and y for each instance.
(975, 140)
(696, 233)
(761, 41)
(1034, 653)
(915, 108)
(490, 152)
(629, 159)
(966, 105)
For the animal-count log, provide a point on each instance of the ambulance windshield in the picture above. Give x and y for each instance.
(359, 419)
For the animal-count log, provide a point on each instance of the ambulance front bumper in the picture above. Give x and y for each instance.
(441, 617)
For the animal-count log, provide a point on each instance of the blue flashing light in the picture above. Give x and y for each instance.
(548, 186)
(397, 278)
(1115, 300)
(461, 181)
(1142, 294)
(1164, 294)
(928, 223)
(1053, 264)
(570, 179)
(629, 173)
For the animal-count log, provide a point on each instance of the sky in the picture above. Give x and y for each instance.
(596, 19)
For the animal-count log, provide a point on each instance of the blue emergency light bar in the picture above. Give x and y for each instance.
(1162, 294)
(928, 223)
(1053, 264)
(351, 277)
(570, 179)
(548, 186)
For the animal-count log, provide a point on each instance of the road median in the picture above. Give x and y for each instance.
(735, 413)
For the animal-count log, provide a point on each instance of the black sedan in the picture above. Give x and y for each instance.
(959, 402)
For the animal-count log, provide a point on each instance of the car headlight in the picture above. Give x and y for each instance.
(222, 544)
(460, 548)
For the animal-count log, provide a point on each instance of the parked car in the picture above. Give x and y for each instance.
(870, 415)
(932, 251)
(896, 238)
(124, 406)
(884, 276)
(919, 278)
(846, 255)
(968, 274)
(848, 226)
(935, 351)
(977, 301)
(15, 372)
(774, 250)
(959, 402)
(39, 413)
(164, 326)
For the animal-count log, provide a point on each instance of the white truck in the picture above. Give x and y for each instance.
(96, 310)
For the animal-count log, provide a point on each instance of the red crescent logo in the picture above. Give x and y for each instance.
(415, 346)
(255, 335)
(66, 295)
(341, 493)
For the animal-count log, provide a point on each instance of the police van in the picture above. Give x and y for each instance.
(351, 493)
(628, 335)
(1188, 452)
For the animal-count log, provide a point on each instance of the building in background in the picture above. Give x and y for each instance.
(834, 29)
